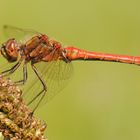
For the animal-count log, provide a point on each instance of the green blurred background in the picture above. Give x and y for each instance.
(101, 101)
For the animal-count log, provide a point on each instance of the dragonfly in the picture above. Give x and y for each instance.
(49, 60)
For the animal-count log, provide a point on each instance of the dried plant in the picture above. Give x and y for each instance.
(16, 119)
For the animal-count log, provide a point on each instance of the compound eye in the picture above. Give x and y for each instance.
(11, 50)
(11, 47)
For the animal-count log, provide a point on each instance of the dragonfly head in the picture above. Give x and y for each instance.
(10, 50)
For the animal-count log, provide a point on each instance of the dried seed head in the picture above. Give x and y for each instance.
(16, 119)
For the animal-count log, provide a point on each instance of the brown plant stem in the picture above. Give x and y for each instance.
(16, 119)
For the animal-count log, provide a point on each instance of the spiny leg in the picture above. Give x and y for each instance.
(44, 90)
(11, 70)
(25, 75)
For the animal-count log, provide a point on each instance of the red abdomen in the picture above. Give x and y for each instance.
(77, 54)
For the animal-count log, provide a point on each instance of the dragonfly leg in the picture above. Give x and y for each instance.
(21, 82)
(11, 70)
(43, 91)
(65, 58)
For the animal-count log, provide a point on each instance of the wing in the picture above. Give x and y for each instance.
(18, 33)
(56, 75)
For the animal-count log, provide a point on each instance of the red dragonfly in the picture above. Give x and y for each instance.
(48, 59)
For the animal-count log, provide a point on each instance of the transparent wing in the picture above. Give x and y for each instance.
(56, 75)
(19, 34)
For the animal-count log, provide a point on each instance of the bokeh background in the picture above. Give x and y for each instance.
(102, 100)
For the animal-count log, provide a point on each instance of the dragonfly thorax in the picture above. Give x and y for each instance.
(10, 50)
(40, 48)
